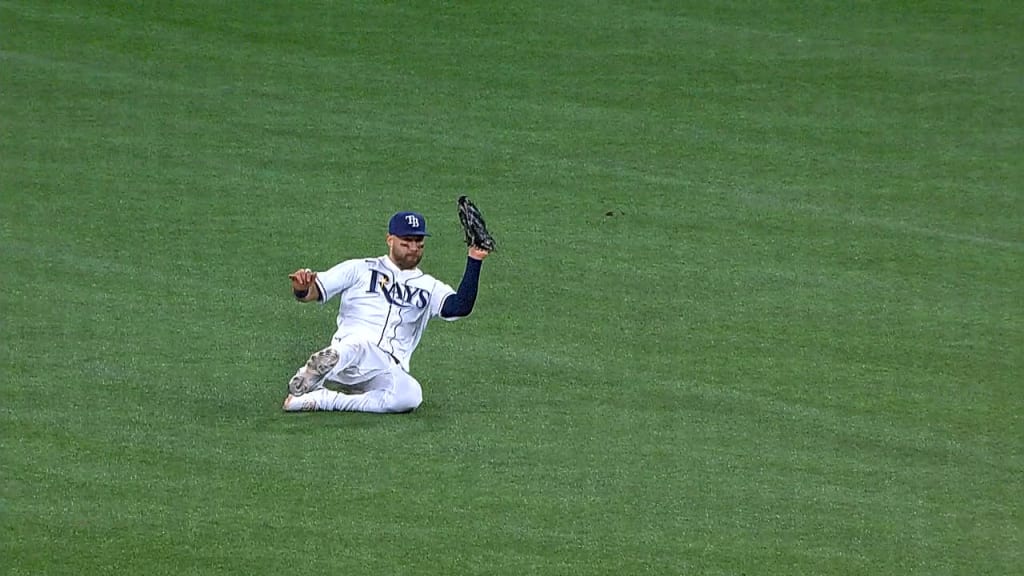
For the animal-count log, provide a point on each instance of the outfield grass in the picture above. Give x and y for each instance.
(757, 308)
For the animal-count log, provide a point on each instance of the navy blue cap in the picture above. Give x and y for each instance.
(408, 224)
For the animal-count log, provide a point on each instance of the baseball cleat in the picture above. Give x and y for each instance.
(311, 376)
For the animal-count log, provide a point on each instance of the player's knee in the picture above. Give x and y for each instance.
(407, 401)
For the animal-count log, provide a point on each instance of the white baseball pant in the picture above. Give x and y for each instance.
(374, 380)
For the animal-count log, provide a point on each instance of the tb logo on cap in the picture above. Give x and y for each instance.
(408, 224)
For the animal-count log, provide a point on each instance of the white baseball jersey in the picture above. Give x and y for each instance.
(383, 304)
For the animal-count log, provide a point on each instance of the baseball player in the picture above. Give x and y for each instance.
(386, 303)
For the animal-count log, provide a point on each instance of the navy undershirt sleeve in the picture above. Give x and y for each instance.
(461, 303)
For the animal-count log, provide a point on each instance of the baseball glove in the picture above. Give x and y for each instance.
(473, 226)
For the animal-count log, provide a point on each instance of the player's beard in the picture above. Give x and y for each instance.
(412, 260)
(407, 261)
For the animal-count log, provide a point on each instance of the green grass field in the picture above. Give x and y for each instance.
(757, 307)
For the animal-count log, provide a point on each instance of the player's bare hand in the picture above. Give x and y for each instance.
(477, 253)
(302, 278)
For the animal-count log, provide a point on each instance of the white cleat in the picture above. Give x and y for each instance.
(311, 376)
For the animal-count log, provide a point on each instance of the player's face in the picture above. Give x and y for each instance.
(405, 251)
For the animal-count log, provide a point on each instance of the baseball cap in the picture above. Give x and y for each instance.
(408, 224)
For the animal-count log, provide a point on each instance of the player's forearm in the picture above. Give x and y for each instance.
(461, 303)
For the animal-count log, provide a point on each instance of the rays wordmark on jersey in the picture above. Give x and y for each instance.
(401, 295)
